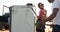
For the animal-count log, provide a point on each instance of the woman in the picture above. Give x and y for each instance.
(41, 17)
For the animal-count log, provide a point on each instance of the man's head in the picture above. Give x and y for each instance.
(50, 1)
(41, 5)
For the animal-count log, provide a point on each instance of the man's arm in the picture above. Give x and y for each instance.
(53, 15)
(55, 6)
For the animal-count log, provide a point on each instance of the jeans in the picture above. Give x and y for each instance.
(56, 28)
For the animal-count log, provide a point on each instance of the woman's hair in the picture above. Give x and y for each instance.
(40, 4)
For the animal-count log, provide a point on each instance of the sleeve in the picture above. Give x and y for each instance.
(55, 4)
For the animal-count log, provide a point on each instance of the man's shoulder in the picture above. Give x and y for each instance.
(56, 4)
(56, 1)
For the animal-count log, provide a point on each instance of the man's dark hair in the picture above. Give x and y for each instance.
(50, 1)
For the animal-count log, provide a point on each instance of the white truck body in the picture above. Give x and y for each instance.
(22, 19)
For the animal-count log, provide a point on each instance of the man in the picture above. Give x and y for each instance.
(55, 15)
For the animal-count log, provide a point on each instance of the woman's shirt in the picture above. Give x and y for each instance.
(42, 14)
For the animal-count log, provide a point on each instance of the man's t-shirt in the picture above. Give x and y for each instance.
(56, 4)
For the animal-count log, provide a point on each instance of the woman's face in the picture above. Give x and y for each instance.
(42, 6)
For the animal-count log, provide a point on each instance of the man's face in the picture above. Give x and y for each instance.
(50, 1)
